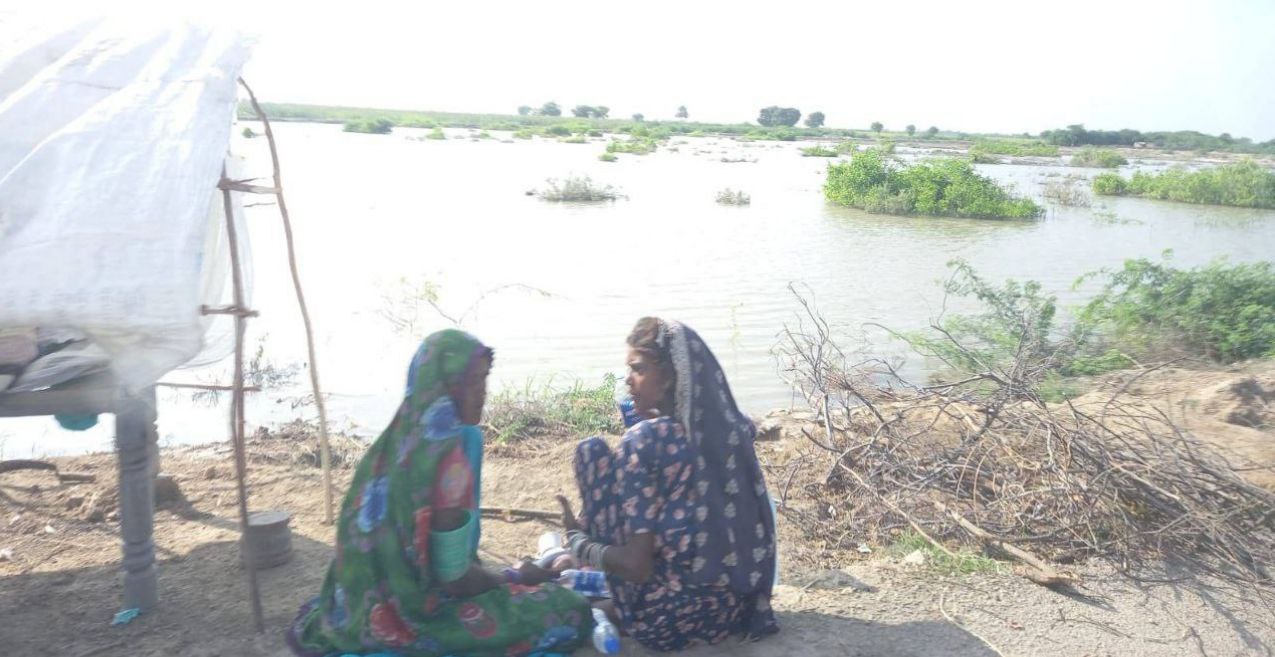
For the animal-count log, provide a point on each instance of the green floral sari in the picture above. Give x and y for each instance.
(382, 593)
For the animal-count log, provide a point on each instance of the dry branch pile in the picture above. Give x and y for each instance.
(984, 460)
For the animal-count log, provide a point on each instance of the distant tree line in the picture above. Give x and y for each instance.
(773, 116)
(590, 112)
(1077, 135)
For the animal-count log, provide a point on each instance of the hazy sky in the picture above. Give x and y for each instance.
(1002, 66)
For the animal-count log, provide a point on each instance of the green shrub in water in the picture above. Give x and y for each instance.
(634, 146)
(370, 126)
(436, 133)
(730, 196)
(1109, 184)
(1103, 158)
(818, 151)
(939, 187)
(1243, 184)
(983, 157)
(1226, 312)
(1015, 148)
(523, 134)
(608, 157)
(577, 190)
(558, 131)
(1145, 309)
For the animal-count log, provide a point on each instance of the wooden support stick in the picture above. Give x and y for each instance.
(236, 310)
(241, 186)
(508, 514)
(236, 407)
(1039, 570)
(325, 449)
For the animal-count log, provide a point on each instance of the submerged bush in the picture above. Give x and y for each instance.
(729, 196)
(939, 187)
(370, 126)
(1066, 192)
(558, 131)
(575, 139)
(982, 157)
(1098, 157)
(608, 157)
(523, 134)
(1242, 184)
(436, 133)
(846, 146)
(818, 151)
(575, 189)
(1017, 148)
(1109, 184)
(1226, 312)
(634, 146)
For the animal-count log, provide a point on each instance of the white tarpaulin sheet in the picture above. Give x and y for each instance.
(112, 140)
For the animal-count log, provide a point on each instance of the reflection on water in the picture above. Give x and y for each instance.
(378, 216)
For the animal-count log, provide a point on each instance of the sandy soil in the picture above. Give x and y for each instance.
(59, 588)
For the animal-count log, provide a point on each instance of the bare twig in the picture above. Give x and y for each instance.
(984, 460)
(325, 447)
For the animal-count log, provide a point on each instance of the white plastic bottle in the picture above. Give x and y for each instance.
(606, 639)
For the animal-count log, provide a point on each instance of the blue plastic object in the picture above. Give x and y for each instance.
(75, 422)
(589, 583)
(125, 617)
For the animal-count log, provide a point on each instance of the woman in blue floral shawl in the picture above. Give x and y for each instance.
(404, 578)
(678, 515)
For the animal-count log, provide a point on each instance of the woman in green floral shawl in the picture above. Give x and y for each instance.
(404, 578)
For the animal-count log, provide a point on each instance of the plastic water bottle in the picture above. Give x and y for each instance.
(589, 583)
(606, 639)
(549, 541)
(551, 549)
(624, 401)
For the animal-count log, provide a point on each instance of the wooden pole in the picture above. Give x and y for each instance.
(325, 450)
(237, 405)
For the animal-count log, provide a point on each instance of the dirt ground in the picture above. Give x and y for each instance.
(59, 558)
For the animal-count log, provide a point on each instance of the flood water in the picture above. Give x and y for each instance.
(556, 287)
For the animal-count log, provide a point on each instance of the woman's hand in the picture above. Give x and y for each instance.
(531, 574)
(569, 521)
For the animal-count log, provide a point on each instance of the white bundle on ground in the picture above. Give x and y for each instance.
(112, 139)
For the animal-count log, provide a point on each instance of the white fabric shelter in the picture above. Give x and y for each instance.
(113, 135)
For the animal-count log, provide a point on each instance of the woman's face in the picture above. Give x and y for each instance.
(472, 393)
(648, 383)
